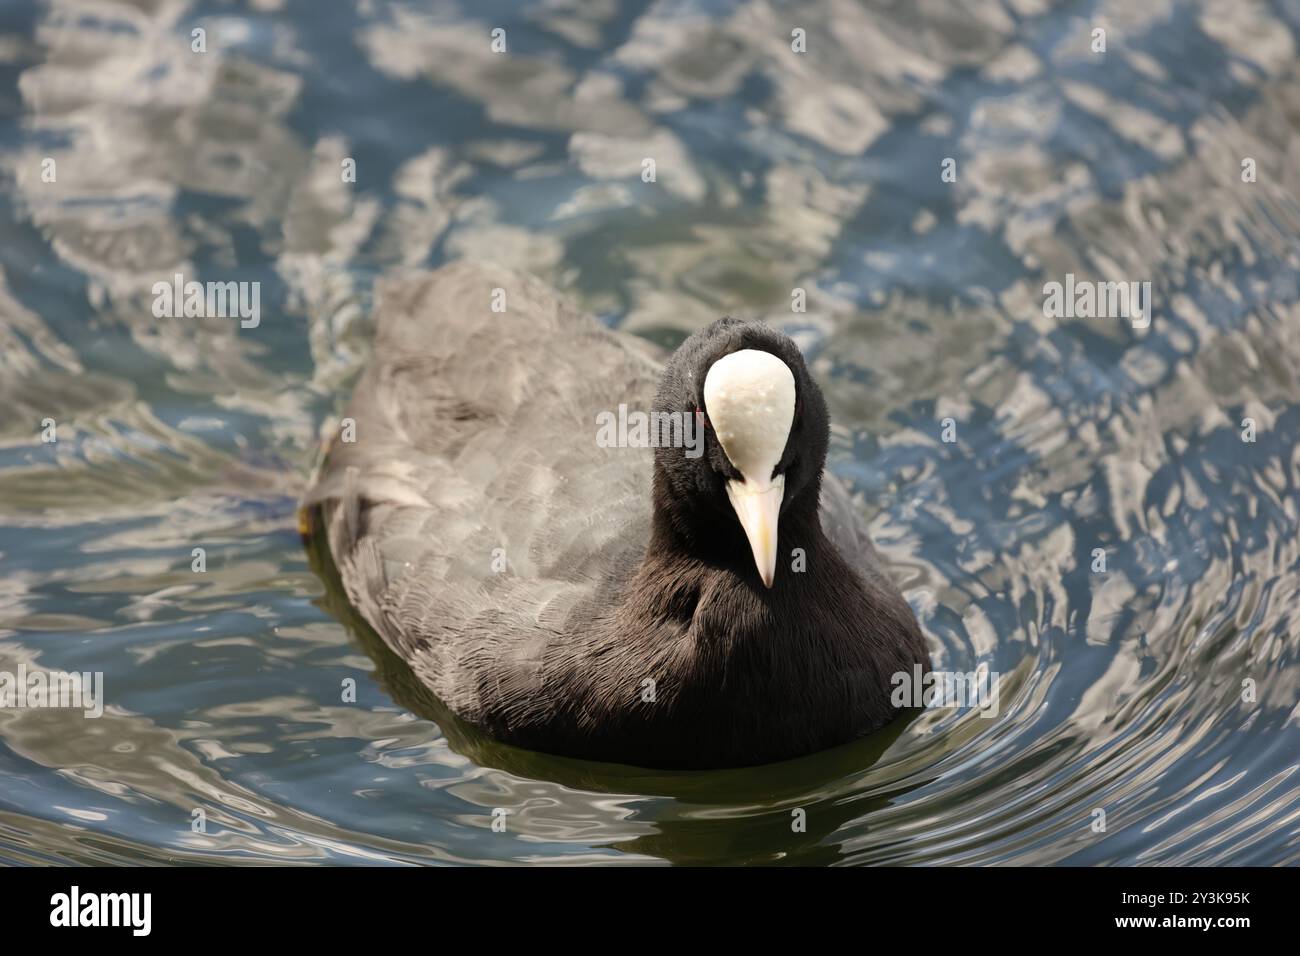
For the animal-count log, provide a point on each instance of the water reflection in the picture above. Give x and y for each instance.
(1162, 690)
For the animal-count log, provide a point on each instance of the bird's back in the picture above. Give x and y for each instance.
(474, 513)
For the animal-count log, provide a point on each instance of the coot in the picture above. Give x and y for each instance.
(691, 593)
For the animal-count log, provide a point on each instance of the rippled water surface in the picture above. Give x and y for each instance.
(1162, 691)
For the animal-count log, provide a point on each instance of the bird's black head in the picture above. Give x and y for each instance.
(765, 434)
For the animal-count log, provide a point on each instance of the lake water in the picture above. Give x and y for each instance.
(1160, 692)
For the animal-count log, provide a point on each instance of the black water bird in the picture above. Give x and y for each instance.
(714, 601)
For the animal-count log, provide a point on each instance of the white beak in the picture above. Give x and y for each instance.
(758, 506)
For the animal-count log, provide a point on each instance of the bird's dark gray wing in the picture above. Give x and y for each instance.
(475, 511)
(843, 523)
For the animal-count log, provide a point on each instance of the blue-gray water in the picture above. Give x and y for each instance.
(1162, 691)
